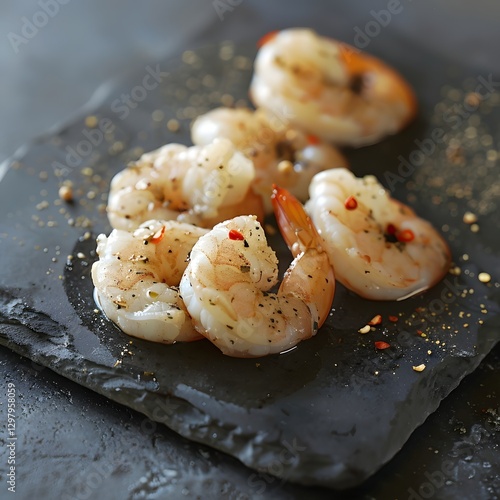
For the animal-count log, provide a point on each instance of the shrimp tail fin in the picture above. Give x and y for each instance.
(311, 274)
(296, 227)
(394, 85)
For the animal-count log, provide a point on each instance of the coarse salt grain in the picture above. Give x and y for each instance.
(419, 368)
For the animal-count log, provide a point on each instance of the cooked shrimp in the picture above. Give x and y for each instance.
(281, 155)
(382, 250)
(231, 270)
(199, 185)
(330, 89)
(136, 276)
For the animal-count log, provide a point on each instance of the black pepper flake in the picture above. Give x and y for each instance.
(390, 238)
(356, 84)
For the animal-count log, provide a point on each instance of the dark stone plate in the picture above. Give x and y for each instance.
(333, 410)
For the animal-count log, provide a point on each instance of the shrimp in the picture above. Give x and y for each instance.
(281, 155)
(330, 89)
(231, 270)
(197, 185)
(136, 276)
(382, 250)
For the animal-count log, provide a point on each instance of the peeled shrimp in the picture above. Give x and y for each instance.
(231, 270)
(136, 276)
(281, 155)
(330, 89)
(198, 185)
(382, 250)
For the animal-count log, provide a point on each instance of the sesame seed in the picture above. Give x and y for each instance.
(469, 218)
(484, 277)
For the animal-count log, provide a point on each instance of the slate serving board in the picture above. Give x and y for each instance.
(333, 410)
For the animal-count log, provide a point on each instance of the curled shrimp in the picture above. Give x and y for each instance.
(281, 154)
(136, 276)
(330, 89)
(382, 250)
(197, 185)
(231, 270)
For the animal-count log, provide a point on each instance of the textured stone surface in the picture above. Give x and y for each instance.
(330, 412)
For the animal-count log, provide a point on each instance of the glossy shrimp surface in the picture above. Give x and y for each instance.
(280, 153)
(226, 286)
(198, 185)
(381, 249)
(136, 279)
(330, 89)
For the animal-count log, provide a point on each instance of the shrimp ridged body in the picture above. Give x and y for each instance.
(380, 248)
(198, 185)
(226, 290)
(330, 89)
(136, 279)
(281, 154)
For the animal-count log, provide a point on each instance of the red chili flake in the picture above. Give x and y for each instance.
(350, 203)
(158, 236)
(313, 139)
(405, 235)
(382, 345)
(391, 229)
(376, 320)
(266, 38)
(235, 235)
(394, 319)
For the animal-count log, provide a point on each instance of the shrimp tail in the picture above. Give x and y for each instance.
(388, 83)
(306, 245)
(296, 227)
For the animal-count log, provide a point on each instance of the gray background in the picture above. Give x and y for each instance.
(86, 43)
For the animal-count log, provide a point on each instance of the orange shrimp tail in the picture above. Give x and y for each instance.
(294, 223)
(300, 234)
(387, 84)
(266, 38)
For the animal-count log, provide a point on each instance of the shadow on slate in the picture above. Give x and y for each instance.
(330, 412)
